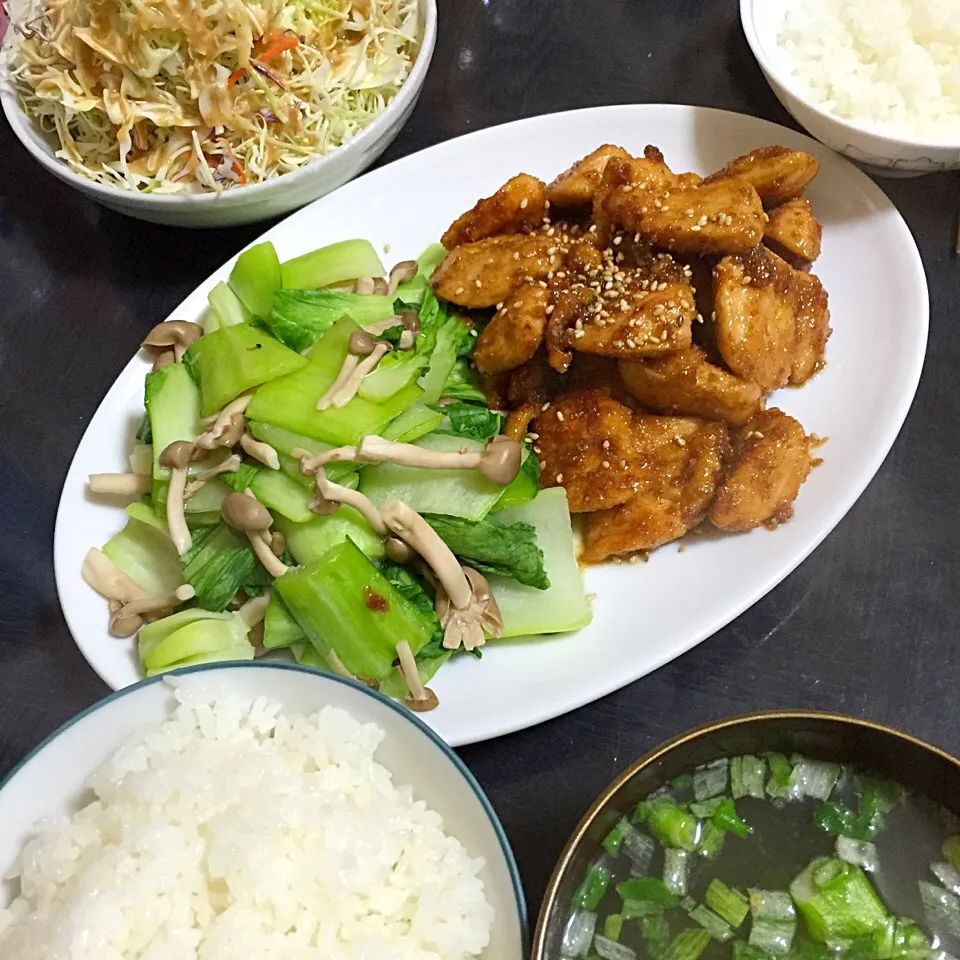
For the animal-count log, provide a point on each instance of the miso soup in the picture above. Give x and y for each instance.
(773, 858)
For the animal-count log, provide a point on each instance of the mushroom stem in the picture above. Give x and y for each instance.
(254, 610)
(348, 390)
(260, 451)
(230, 465)
(152, 604)
(499, 461)
(104, 576)
(401, 273)
(218, 421)
(374, 449)
(350, 363)
(271, 562)
(309, 462)
(126, 619)
(227, 434)
(124, 484)
(352, 498)
(338, 666)
(176, 521)
(410, 527)
(408, 667)
(375, 329)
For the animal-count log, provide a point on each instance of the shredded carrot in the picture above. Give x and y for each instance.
(276, 47)
(235, 76)
(239, 171)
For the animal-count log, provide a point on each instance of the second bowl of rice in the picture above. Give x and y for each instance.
(876, 80)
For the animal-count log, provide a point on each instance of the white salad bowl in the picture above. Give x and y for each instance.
(248, 204)
(884, 154)
(49, 781)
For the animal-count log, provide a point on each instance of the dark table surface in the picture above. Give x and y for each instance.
(869, 625)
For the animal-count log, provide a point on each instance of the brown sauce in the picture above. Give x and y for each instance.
(374, 601)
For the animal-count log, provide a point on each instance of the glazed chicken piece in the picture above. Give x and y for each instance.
(586, 444)
(484, 273)
(583, 258)
(771, 459)
(655, 155)
(515, 333)
(682, 460)
(687, 383)
(716, 218)
(647, 313)
(517, 207)
(776, 173)
(575, 187)
(755, 316)
(794, 231)
(812, 329)
(572, 308)
(534, 382)
(639, 178)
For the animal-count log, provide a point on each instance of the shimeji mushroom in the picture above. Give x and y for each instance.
(119, 484)
(173, 336)
(466, 606)
(420, 698)
(128, 600)
(330, 492)
(260, 451)
(402, 272)
(224, 429)
(499, 461)
(112, 583)
(482, 611)
(244, 513)
(230, 465)
(128, 618)
(344, 388)
(177, 457)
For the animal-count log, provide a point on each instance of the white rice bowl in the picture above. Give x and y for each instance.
(892, 65)
(235, 831)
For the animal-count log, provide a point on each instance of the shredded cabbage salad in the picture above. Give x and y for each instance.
(192, 96)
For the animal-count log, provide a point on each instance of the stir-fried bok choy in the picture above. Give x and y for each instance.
(313, 475)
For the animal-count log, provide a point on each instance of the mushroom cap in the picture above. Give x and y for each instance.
(361, 343)
(245, 514)
(402, 272)
(178, 454)
(429, 702)
(173, 333)
(501, 460)
(397, 550)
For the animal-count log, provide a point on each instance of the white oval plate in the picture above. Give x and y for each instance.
(644, 615)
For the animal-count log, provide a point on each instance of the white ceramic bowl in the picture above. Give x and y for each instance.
(886, 155)
(48, 781)
(257, 201)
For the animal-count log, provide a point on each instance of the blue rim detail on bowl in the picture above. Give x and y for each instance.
(431, 735)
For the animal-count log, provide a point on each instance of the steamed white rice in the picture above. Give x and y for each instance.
(234, 832)
(891, 64)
